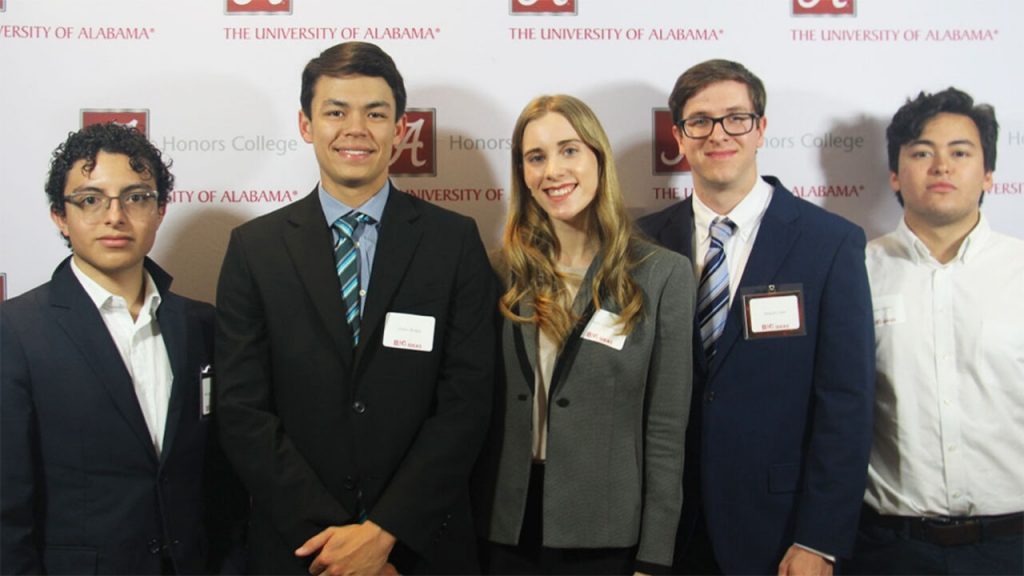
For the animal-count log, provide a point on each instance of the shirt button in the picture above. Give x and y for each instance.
(952, 448)
(358, 407)
(362, 292)
(563, 402)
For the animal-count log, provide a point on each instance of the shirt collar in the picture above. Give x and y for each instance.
(744, 215)
(103, 298)
(969, 248)
(334, 208)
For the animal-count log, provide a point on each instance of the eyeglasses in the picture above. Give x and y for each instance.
(736, 124)
(136, 205)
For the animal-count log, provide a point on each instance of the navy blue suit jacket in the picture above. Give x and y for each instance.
(780, 429)
(83, 489)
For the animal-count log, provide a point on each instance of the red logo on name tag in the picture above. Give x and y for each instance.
(667, 158)
(543, 6)
(825, 7)
(258, 7)
(415, 154)
(138, 119)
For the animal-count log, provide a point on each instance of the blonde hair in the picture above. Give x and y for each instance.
(530, 248)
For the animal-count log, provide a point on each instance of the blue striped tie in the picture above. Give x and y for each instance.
(346, 263)
(713, 293)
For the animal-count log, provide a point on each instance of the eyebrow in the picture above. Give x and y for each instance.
(560, 144)
(129, 188)
(729, 110)
(369, 106)
(926, 142)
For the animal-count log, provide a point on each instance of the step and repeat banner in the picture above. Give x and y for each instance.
(215, 85)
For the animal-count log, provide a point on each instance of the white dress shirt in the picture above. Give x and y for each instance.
(746, 216)
(949, 408)
(141, 346)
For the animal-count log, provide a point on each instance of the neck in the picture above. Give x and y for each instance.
(722, 198)
(354, 196)
(577, 245)
(128, 283)
(943, 241)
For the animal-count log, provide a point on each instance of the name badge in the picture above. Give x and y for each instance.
(205, 390)
(773, 311)
(409, 331)
(889, 310)
(603, 328)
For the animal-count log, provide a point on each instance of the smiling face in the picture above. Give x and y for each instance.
(111, 250)
(560, 171)
(721, 163)
(941, 174)
(353, 129)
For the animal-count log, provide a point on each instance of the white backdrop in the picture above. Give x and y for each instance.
(215, 83)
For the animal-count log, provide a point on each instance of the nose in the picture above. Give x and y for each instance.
(940, 163)
(114, 212)
(355, 124)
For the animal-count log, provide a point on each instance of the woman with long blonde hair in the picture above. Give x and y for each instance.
(584, 472)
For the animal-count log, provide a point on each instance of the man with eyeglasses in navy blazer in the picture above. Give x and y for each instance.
(780, 424)
(110, 464)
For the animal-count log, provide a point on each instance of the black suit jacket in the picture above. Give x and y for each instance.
(316, 428)
(83, 489)
(780, 428)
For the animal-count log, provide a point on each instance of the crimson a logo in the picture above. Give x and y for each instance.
(277, 7)
(666, 158)
(824, 8)
(543, 7)
(416, 154)
(137, 118)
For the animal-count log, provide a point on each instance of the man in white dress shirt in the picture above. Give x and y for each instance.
(946, 478)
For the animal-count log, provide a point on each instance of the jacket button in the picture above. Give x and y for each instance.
(349, 483)
(154, 546)
(522, 397)
(709, 396)
(358, 407)
(563, 402)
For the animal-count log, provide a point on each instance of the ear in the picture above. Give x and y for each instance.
(61, 220)
(305, 127)
(678, 135)
(762, 125)
(987, 184)
(400, 127)
(894, 181)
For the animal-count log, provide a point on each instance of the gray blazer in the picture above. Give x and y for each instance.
(613, 475)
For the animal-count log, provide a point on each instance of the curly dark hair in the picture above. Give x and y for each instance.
(111, 138)
(909, 121)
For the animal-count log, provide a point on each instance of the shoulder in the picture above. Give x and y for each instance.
(820, 224)
(655, 263)
(26, 305)
(651, 223)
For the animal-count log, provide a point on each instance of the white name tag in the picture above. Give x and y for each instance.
(205, 390)
(889, 310)
(774, 314)
(409, 331)
(603, 328)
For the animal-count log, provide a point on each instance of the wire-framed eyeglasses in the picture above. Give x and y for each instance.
(136, 204)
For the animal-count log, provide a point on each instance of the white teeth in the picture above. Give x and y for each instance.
(561, 191)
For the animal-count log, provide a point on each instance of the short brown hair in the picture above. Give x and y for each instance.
(709, 72)
(348, 59)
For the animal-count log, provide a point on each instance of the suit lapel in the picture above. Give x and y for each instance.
(78, 317)
(775, 238)
(526, 344)
(308, 241)
(678, 235)
(400, 232)
(173, 329)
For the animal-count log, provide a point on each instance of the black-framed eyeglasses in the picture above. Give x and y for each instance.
(736, 124)
(136, 204)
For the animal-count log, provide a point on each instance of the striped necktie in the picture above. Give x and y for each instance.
(346, 263)
(713, 292)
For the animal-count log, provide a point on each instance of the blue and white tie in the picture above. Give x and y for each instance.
(346, 263)
(713, 292)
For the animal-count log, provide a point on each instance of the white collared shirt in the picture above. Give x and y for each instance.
(141, 346)
(747, 216)
(949, 407)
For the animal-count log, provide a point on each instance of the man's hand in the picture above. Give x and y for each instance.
(354, 549)
(802, 562)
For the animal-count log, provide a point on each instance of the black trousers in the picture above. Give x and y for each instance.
(900, 545)
(531, 557)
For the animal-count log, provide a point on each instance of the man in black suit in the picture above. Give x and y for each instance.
(356, 336)
(108, 466)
